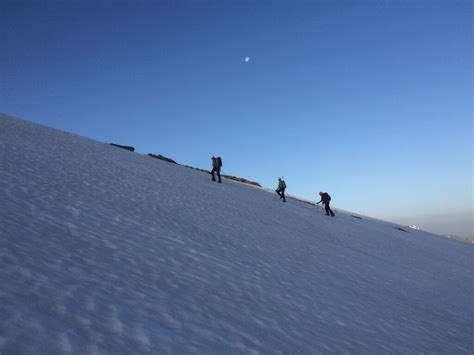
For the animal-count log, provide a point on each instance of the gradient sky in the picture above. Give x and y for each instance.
(370, 101)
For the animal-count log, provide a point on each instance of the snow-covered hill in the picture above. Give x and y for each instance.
(107, 251)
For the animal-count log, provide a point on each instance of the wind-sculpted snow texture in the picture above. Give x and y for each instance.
(108, 251)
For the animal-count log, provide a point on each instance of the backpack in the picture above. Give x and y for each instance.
(219, 161)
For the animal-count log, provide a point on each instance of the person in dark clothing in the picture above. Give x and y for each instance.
(281, 189)
(216, 168)
(325, 199)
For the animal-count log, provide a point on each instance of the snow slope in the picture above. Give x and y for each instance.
(107, 251)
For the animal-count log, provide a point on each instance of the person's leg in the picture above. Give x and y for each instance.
(326, 207)
(278, 192)
(219, 174)
(330, 210)
(212, 173)
(283, 195)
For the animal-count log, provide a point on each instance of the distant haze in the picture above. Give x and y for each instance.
(447, 224)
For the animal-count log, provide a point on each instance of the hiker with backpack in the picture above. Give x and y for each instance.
(216, 168)
(325, 199)
(281, 189)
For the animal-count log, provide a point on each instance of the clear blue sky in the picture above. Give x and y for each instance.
(370, 101)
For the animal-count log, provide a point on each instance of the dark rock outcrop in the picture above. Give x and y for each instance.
(126, 147)
(400, 229)
(245, 181)
(161, 157)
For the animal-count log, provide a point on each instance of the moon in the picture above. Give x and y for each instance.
(247, 59)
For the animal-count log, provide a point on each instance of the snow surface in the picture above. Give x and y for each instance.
(107, 251)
